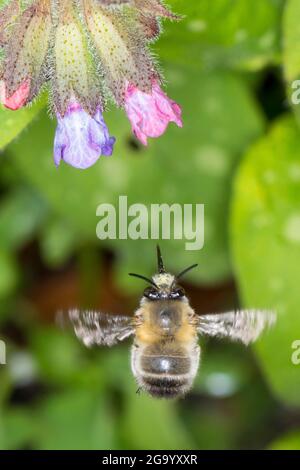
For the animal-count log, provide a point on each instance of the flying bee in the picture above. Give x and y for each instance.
(165, 353)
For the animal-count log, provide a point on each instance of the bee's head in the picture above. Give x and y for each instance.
(164, 286)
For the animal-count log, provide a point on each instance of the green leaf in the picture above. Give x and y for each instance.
(223, 33)
(291, 31)
(18, 428)
(162, 427)
(76, 419)
(21, 213)
(14, 122)
(62, 360)
(291, 50)
(57, 242)
(220, 120)
(58, 354)
(265, 229)
(8, 273)
(291, 441)
(224, 370)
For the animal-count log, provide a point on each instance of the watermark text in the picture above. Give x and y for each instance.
(155, 221)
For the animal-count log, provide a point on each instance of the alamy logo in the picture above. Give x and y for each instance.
(2, 352)
(296, 354)
(296, 93)
(156, 221)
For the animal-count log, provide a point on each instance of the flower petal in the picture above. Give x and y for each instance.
(18, 98)
(81, 139)
(150, 114)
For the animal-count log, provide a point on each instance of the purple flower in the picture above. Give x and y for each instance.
(81, 139)
(150, 113)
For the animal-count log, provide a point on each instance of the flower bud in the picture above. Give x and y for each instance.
(17, 99)
(121, 49)
(74, 74)
(26, 50)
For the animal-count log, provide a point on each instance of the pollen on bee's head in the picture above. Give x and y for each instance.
(163, 279)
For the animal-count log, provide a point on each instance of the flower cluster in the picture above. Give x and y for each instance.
(87, 52)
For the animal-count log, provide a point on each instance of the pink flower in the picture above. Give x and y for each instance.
(150, 113)
(17, 99)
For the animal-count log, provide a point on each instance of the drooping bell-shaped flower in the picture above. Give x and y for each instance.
(150, 113)
(87, 52)
(25, 41)
(81, 139)
(17, 99)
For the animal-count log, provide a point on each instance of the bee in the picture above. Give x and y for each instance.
(165, 353)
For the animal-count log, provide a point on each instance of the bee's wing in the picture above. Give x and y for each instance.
(96, 328)
(241, 325)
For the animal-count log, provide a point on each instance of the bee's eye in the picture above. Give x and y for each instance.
(151, 293)
(177, 293)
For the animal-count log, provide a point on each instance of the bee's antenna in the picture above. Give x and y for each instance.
(160, 263)
(186, 270)
(144, 278)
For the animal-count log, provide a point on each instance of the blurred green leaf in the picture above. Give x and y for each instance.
(223, 33)
(14, 122)
(291, 62)
(9, 273)
(62, 360)
(220, 120)
(21, 213)
(19, 428)
(6, 385)
(59, 355)
(224, 370)
(57, 242)
(162, 428)
(266, 248)
(291, 441)
(117, 371)
(76, 419)
(212, 426)
(291, 31)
